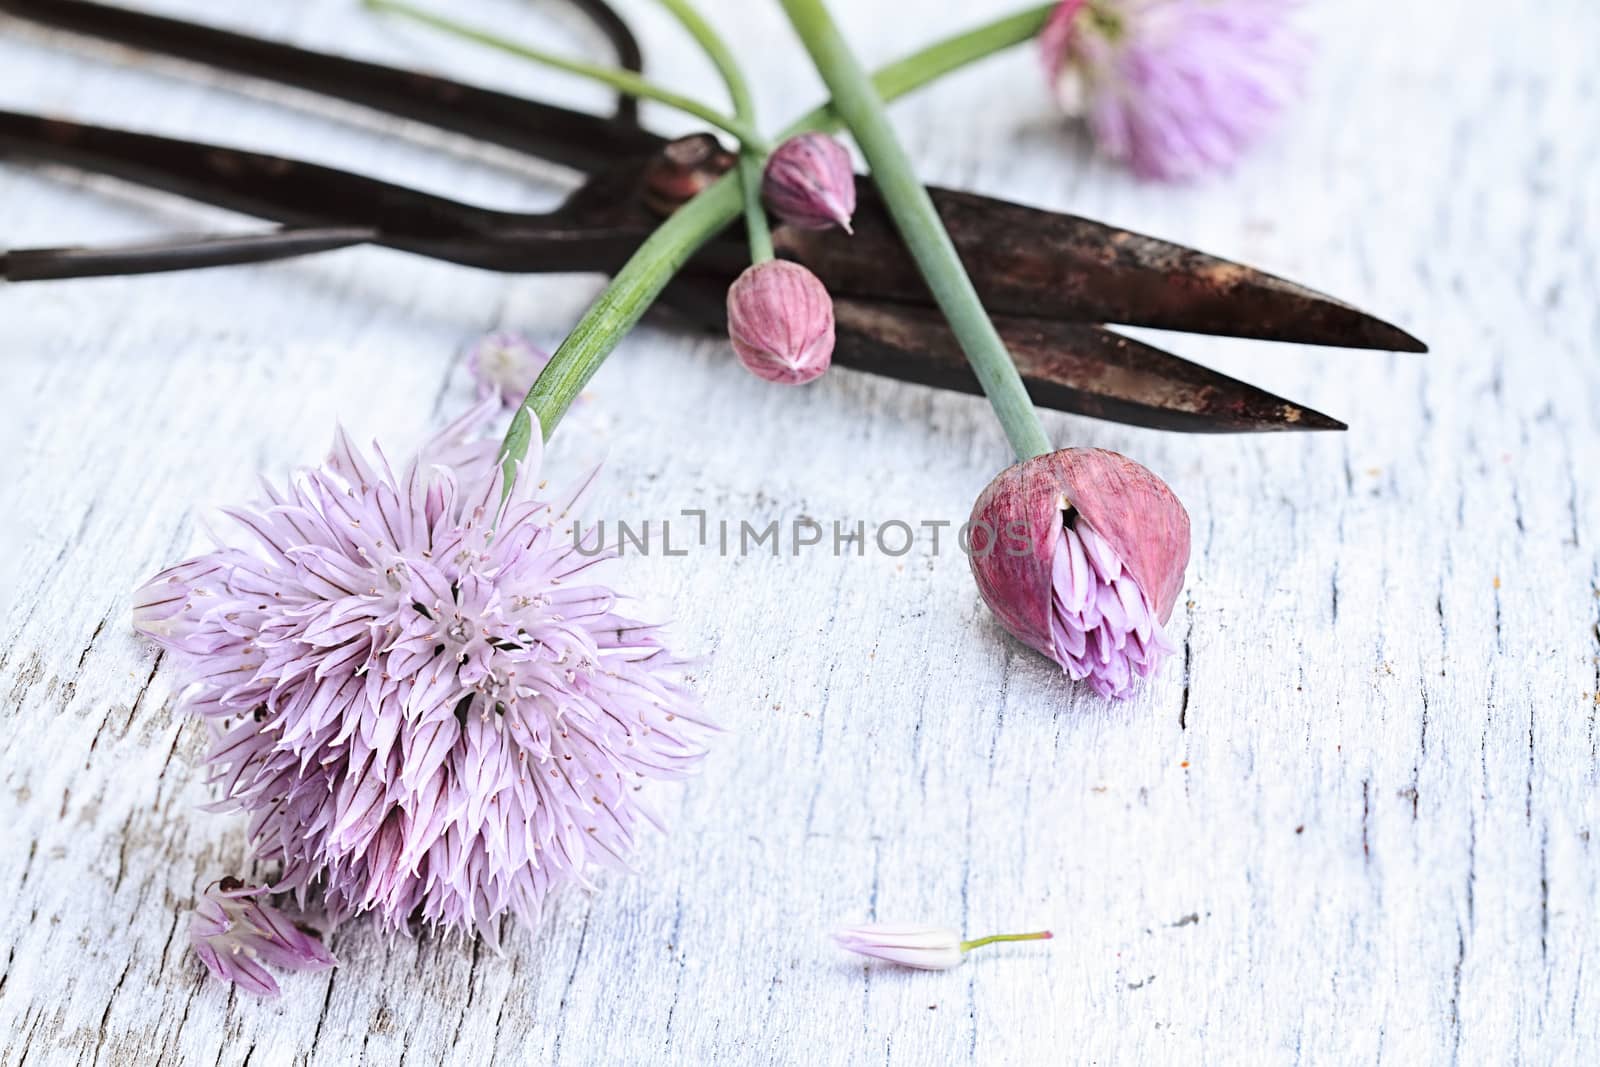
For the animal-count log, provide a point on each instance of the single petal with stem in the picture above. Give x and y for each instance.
(919, 946)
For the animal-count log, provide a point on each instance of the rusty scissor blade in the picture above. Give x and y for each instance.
(1072, 367)
(573, 138)
(1025, 261)
(1084, 369)
(177, 253)
(1041, 264)
(1068, 366)
(594, 231)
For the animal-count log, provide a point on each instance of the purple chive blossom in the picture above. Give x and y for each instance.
(1103, 629)
(1174, 88)
(505, 365)
(426, 704)
(234, 935)
(1080, 554)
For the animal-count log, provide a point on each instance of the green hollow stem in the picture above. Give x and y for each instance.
(1041, 935)
(751, 157)
(636, 286)
(859, 104)
(621, 80)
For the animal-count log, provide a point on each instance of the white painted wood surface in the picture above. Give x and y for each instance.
(1353, 822)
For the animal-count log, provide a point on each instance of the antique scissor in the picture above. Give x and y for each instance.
(1051, 281)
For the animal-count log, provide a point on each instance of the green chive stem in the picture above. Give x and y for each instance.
(636, 286)
(622, 80)
(909, 204)
(1041, 935)
(751, 157)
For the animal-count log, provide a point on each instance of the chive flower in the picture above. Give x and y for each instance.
(424, 699)
(1174, 88)
(505, 364)
(1080, 554)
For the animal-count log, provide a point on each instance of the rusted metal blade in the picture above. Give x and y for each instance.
(1069, 367)
(1066, 366)
(1041, 264)
(1072, 367)
(1025, 261)
(595, 231)
(173, 254)
(1087, 370)
(587, 142)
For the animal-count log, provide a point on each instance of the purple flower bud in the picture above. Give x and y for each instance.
(780, 320)
(1080, 554)
(234, 935)
(810, 183)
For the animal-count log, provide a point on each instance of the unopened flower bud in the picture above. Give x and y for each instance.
(1081, 554)
(810, 183)
(780, 320)
(927, 948)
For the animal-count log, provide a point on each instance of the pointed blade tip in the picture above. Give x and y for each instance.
(1375, 333)
(1318, 421)
(1297, 419)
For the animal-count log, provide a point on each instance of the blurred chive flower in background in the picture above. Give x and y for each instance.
(1174, 88)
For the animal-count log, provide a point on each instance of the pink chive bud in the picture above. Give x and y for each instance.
(780, 320)
(810, 183)
(1080, 554)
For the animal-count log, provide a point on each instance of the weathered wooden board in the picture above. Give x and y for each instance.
(1352, 823)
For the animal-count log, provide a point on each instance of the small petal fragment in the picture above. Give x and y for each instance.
(927, 948)
(235, 935)
(505, 366)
